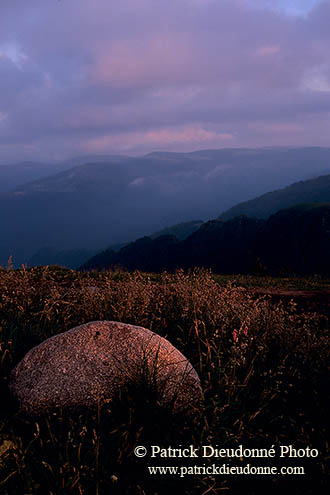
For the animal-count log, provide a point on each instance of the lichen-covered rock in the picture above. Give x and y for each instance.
(91, 363)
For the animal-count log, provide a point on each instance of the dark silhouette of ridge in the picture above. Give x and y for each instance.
(293, 241)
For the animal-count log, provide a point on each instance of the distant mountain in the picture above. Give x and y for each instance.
(309, 191)
(220, 245)
(172, 234)
(81, 160)
(13, 175)
(294, 241)
(73, 258)
(181, 231)
(16, 174)
(92, 205)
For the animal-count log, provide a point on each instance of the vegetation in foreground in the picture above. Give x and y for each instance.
(263, 368)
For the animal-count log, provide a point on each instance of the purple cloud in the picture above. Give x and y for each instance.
(78, 76)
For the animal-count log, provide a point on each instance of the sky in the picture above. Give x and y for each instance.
(84, 77)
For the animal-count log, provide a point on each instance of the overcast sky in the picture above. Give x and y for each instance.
(98, 76)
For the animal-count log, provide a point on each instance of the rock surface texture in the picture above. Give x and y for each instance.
(91, 363)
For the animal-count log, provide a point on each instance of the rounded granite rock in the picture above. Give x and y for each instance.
(91, 363)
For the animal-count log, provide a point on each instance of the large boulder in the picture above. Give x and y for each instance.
(91, 363)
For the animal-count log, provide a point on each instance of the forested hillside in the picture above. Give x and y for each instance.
(293, 241)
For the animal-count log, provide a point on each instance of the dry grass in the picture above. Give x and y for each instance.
(263, 367)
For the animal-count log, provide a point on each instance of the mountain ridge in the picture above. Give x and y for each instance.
(316, 190)
(293, 241)
(100, 204)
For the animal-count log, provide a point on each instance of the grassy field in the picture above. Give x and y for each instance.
(284, 283)
(263, 366)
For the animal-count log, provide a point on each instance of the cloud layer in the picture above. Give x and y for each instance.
(78, 76)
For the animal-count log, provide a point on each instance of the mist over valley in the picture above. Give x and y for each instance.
(116, 199)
